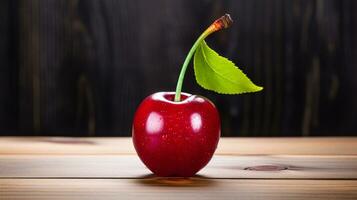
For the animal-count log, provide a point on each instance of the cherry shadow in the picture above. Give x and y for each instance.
(155, 181)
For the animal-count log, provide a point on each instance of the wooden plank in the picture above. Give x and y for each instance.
(129, 166)
(196, 188)
(65, 145)
(227, 146)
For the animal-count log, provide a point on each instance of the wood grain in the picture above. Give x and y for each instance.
(129, 166)
(243, 168)
(227, 146)
(176, 189)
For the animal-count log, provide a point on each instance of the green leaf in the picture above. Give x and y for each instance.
(217, 73)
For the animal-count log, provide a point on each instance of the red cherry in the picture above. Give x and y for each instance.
(176, 139)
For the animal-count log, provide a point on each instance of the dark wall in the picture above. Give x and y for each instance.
(80, 68)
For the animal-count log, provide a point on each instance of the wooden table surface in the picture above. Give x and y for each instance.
(242, 168)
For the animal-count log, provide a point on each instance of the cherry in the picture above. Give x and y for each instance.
(176, 138)
(174, 133)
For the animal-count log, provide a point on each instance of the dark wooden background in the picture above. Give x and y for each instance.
(81, 67)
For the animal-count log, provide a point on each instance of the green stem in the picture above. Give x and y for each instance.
(186, 62)
(223, 22)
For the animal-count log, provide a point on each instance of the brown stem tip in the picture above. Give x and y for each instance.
(223, 22)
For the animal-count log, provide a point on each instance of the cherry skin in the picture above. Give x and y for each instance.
(176, 139)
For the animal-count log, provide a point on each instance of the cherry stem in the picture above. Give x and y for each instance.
(223, 22)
